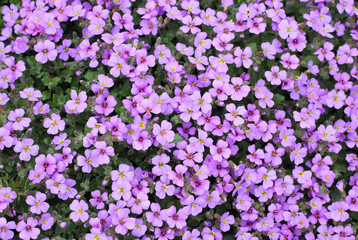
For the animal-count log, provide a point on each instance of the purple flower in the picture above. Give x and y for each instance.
(334, 99)
(155, 217)
(30, 94)
(243, 57)
(41, 108)
(17, 117)
(87, 162)
(46, 221)
(79, 209)
(46, 164)
(144, 61)
(123, 221)
(3, 98)
(56, 184)
(190, 24)
(105, 107)
(337, 211)
(289, 61)
(26, 149)
(46, 51)
(174, 218)
(288, 29)
(139, 228)
(37, 203)
(78, 103)
(5, 139)
(221, 42)
(98, 199)
(61, 141)
(102, 152)
(284, 186)
(234, 113)
(256, 25)
(5, 229)
(28, 229)
(325, 52)
(54, 124)
(139, 203)
(76, 11)
(226, 221)
(163, 133)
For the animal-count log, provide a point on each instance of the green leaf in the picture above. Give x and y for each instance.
(277, 98)
(178, 138)
(253, 47)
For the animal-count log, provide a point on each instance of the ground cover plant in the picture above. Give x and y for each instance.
(178, 119)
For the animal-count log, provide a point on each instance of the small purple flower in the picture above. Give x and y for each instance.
(163, 133)
(288, 29)
(5, 139)
(79, 209)
(17, 117)
(155, 217)
(77, 104)
(26, 149)
(61, 141)
(28, 229)
(98, 199)
(4, 98)
(174, 218)
(31, 94)
(105, 107)
(5, 229)
(220, 151)
(46, 221)
(102, 152)
(243, 57)
(46, 51)
(54, 124)
(38, 203)
(337, 211)
(226, 221)
(41, 108)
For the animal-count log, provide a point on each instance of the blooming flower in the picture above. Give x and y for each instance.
(54, 124)
(79, 209)
(46, 51)
(19, 121)
(37, 203)
(28, 229)
(226, 220)
(26, 149)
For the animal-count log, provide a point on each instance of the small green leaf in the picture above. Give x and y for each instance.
(277, 98)
(177, 138)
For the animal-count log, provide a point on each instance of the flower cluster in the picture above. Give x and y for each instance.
(179, 120)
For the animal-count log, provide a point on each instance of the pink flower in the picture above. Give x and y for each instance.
(78, 103)
(79, 210)
(54, 124)
(337, 211)
(102, 152)
(163, 133)
(243, 57)
(17, 117)
(5, 228)
(288, 29)
(98, 199)
(226, 221)
(46, 51)
(37, 203)
(26, 149)
(28, 230)
(334, 99)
